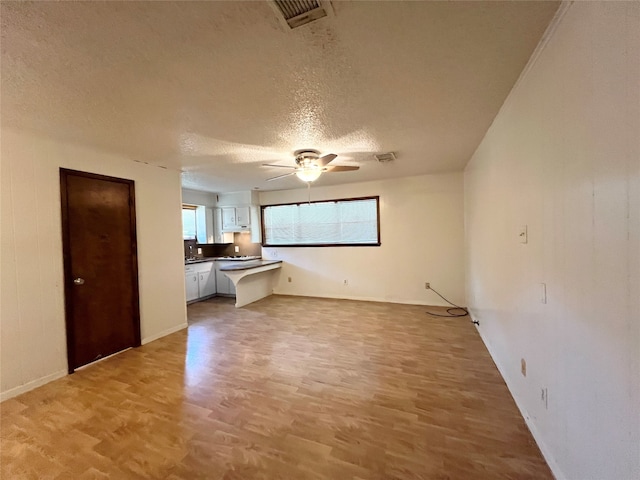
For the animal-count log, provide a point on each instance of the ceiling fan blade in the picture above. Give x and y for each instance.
(280, 176)
(279, 166)
(340, 168)
(326, 159)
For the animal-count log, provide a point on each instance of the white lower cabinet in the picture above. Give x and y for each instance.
(191, 283)
(224, 285)
(200, 280)
(206, 283)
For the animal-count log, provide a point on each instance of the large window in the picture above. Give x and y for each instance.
(345, 222)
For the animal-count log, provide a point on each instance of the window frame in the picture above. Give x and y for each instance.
(336, 200)
(187, 206)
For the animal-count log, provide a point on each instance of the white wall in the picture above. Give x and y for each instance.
(198, 197)
(33, 345)
(563, 157)
(421, 223)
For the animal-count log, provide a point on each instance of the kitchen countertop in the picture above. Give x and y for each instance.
(200, 260)
(248, 265)
(221, 259)
(245, 258)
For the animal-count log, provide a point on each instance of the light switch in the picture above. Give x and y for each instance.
(236, 248)
(522, 234)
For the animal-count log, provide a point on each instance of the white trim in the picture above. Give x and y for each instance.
(13, 392)
(546, 451)
(366, 299)
(542, 45)
(164, 333)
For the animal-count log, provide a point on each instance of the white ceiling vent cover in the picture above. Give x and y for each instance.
(295, 13)
(386, 157)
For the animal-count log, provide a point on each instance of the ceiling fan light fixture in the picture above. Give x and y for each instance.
(309, 173)
(310, 165)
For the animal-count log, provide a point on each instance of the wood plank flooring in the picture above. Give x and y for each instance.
(285, 388)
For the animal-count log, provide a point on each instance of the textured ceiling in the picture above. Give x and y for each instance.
(215, 89)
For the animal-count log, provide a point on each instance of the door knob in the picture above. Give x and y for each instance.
(78, 281)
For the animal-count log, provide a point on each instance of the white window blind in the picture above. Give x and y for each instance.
(335, 222)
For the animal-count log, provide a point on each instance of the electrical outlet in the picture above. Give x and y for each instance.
(427, 285)
(523, 367)
(199, 251)
(346, 282)
(289, 279)
(236, 248)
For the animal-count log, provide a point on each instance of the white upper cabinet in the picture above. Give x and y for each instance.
(238, 212)
(228, 218)
(243, 217)
(235, 219)
(218, 235)
(219, 215)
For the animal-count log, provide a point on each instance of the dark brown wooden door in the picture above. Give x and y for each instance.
(100, 260)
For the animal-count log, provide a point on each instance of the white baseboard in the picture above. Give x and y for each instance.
(366, 299)
(14, 392)
(546, 451)
(164, 333)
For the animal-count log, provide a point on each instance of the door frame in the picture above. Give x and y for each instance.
(66, 256)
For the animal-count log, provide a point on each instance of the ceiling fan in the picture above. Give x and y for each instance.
(310, 165)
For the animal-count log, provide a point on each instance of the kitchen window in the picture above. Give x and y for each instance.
(189, 222)
(327, 223)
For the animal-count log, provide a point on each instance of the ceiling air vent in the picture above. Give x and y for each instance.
(295, 13)
(386, 157)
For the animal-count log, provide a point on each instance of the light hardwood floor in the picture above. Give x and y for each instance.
(286, 388)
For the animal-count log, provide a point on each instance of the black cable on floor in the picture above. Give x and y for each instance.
(449, 310)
